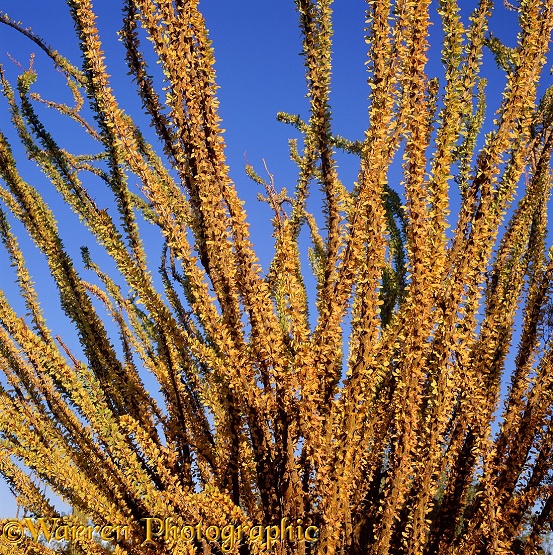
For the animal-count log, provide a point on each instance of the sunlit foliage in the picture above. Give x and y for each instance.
(369, 415)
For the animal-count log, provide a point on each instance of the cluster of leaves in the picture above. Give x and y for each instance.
(259, 417)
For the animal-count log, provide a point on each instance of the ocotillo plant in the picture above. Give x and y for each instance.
(362, 425)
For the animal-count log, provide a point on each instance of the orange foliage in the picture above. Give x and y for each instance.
(260, 419)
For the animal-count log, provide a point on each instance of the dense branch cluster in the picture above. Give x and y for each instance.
(379, 432)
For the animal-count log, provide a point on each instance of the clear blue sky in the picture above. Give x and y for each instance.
(257, 45)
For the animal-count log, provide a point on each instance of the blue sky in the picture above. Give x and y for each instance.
(257, 47)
